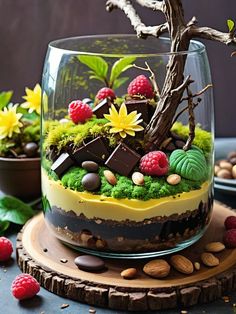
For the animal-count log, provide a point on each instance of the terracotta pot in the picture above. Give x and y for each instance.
(20, 177)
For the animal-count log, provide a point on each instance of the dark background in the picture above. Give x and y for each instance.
(26, 27)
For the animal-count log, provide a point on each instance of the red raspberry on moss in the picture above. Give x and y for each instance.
(24, 287)
(105, 92)
(230, 222)
(154, 164)
(141, 86)
(230, 238)
(79, 112)
(6, 249)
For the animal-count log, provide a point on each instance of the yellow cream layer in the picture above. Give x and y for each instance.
(100, 206)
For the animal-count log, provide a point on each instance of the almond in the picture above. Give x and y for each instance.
(209, 259)
(138, 178)
(182, 264)
(157, 268)
(129, 273)
(173, 179)
(110, 177)
(214, 247)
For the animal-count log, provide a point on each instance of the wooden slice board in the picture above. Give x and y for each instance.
(40, 254)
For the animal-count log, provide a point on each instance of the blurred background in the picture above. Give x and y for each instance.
(27, 26)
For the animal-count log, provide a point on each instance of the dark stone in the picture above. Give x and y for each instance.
(95, 150)
(89, 263)
(62, 163)
(179, 144)
(139, 105)
(102, 108)
(31, 149)
(123, 159)
(89, 165)
(91, 181)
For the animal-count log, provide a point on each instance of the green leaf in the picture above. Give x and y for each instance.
(95, 77)
(120, 66)
(120, 81)
(5, 98)
(46, 204)
(4, 226)
(14, 210)
(97, 64)
(190, 164)
(230, 24)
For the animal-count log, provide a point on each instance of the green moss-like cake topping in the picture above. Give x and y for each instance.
(153, 187)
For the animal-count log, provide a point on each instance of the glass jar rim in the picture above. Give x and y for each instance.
(195, 47)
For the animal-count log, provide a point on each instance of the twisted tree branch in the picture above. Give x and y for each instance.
(212, 34)
(141, 29)
(155, 5)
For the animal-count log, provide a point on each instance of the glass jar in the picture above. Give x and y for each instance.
(103, 192)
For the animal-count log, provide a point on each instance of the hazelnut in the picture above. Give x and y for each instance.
(225, 165)
(224, 174)
(234, 171)
(138, 178)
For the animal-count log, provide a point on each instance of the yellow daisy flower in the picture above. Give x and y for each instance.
(9, 121)
(33, 99)
(123, 123)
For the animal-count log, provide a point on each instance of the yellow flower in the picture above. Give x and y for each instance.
(33, 99)
(122, 122)
(9, 121)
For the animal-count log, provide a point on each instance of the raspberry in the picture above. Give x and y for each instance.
(24, 287)
(230, 238)
(105, 92)
(141, 86)
(79, 112)
(6, 249)
(230, 222)
(154, 163)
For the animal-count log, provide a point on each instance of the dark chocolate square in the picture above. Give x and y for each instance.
(123, 159)
(95, 150)
(139, 105)
(102, 108)
(62, 163)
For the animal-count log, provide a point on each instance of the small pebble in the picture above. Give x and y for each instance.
(30, 149)
(92, 311)
(138, 178)
(64, 120)
(89, 263)
(173, 179)
(91, 181)
(90, 166)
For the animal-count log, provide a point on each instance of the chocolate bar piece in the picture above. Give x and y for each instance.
(123, 159)
(102, 108)
(95, 150)
(62, 163)
(139, 105)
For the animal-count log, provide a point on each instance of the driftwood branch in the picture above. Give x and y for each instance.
(140, 28)
(191, 120)
(212, 34)
(181, 33)
(154, 5)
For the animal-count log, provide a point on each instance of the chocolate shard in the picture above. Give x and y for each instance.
(62, 163)
(139, 105)
(123, 159)
(102, 108)
(95, 150)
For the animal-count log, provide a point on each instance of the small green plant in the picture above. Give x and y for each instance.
(100, 69)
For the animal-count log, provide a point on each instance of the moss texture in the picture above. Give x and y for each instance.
(152, 189)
